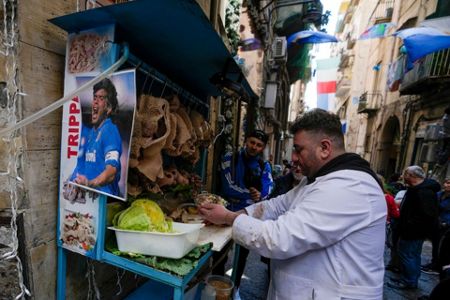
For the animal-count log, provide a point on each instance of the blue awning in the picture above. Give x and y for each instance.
(173, 36)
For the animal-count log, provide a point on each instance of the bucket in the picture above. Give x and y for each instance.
(222, 285)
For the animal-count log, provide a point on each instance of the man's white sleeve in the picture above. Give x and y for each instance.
(324, 216)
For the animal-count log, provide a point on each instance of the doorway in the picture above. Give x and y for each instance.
(389, 147)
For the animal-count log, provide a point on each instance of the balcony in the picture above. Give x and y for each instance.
(369, 103)
(293, 15)
(428, 74)
(384, 11)
(349, 15)
(346, 60)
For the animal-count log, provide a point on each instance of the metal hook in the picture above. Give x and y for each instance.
(151, 85)
(145, 82)
(189, 106)
(164, 88)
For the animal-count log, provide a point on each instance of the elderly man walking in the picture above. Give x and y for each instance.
(419, 213)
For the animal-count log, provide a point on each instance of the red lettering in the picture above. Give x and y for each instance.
(74, 127)
(71, 152)
(73, 140)
(73, 107)
(73, 121)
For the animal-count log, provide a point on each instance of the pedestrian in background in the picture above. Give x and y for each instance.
(246, 178)
(394, 184)
(287, 166)
(394, 261)
(444, 224)
(392, 218)
(444, 153)
(392, 208)
(325, 239)
(418, 221)
(285, 183)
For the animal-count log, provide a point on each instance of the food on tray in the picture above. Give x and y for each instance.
(78, 231)
(85, 51)
(210, 198)
(143, 215)
(186, 213)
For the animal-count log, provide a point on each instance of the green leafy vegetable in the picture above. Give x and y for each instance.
(142, 215)
(180, 267)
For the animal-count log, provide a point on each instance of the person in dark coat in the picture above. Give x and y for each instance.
(285, 183)
(442, 289)
(419, 214)
(444, 224)
(444, 153)
(394, 184)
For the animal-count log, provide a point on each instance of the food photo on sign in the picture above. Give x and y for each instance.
(90, 50)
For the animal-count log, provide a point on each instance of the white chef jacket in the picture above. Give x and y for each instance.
(325, 239)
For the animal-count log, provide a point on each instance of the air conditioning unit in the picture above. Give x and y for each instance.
(423, 153)
(432, 132)
(432, 152)
(429, 152)
(279, 49)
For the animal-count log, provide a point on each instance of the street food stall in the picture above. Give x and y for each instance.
(160, 61)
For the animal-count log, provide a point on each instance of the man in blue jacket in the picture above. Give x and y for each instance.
(246, 178)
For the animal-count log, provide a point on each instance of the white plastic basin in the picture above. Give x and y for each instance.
(171, 245)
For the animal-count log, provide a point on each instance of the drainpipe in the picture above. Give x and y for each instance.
(213, 12)
(407, 116)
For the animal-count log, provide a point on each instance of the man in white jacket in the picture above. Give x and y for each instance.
(326, 236)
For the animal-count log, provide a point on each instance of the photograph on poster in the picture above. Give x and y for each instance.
(107, 113)
(78, 232)
(75, 194)
(89, 51)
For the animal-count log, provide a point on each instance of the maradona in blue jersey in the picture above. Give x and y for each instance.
(102, 147)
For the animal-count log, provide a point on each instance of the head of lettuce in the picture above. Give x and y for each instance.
(142, 215)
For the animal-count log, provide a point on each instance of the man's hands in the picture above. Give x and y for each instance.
(81, 179)
(217, 214)
(255, 194)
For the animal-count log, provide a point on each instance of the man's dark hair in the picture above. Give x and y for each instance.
(320, 121)
(110, 89)
(260, 135)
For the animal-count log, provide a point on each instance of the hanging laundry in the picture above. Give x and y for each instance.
(376, 31)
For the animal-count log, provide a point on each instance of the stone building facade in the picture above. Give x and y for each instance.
(388, 108)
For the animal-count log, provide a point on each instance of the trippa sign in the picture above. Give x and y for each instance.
(73, 132)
